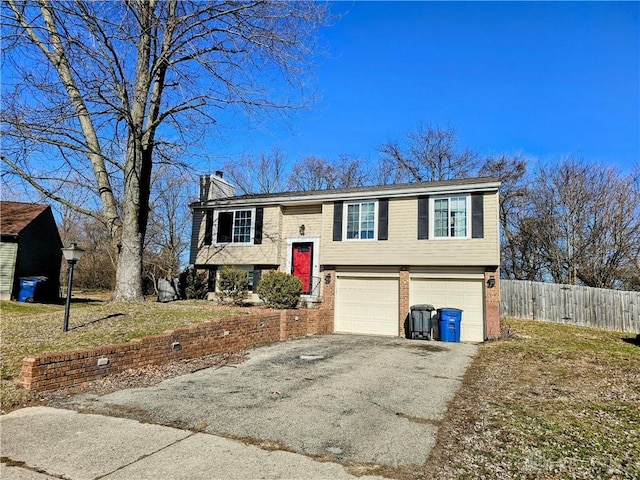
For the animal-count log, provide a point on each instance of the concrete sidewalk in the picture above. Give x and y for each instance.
(46, 443)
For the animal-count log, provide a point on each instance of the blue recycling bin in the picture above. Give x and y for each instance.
(449, 320)
(28, 287)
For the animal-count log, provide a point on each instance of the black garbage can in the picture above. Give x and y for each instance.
(421, 321)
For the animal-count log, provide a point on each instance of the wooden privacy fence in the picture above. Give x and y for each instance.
(574, 305)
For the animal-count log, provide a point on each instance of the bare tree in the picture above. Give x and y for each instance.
(167, 237)
(587, 223)
(317, 173)
(520, 255)
(630, 271)
(264, 173)
(97, 270)
(311, 173)
(569, 222)
(351, 172)
(428, 154)
(94, 90)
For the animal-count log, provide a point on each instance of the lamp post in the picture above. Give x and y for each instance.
(71, 254)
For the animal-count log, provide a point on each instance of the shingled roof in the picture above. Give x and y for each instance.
(375, 188)
(421, 188)
(15, 216)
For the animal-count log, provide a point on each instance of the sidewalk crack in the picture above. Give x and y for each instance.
(142, 457)
(20, 464)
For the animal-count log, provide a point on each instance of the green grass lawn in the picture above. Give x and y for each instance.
(554, 402)
(29, 329)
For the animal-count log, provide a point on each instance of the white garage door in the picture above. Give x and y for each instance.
(367, 305)
(465, 294)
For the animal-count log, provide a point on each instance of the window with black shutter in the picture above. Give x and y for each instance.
(477, 216)
(257, 234)
(383, 219)
(337, 221)
(423, 218)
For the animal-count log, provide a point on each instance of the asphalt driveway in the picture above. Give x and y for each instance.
(341, 398)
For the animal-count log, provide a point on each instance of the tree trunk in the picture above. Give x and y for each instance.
(134, 224)
(128, 273)
(129, 269)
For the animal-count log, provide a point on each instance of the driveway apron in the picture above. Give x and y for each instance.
(342, 398)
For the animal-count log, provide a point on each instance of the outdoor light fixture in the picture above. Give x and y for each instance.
(302, 230)
(71, 254)
(491, 282)
(327, 278)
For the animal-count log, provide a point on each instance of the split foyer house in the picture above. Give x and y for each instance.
(367, 253)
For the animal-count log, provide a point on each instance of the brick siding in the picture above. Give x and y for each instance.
(229, 334)
(329, 289)
(492, 303)
(405, 308)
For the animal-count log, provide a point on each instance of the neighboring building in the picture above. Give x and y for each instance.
(366, 253)
(30, 246)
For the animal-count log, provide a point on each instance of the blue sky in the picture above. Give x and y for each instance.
(544, 79)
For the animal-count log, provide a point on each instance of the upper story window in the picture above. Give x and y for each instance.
(451, 217)
(361, 221)
(234, 227)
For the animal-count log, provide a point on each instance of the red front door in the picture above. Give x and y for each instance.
(302, 264)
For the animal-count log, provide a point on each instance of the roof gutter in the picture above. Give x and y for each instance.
(10, 237)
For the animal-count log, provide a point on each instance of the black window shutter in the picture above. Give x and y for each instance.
(477, 216)
(257, 234)
(423, 218)
(383, 219)
(208, 227)
(337, 221)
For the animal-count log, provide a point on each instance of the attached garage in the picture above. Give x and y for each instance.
(367, 305)
(463, 293)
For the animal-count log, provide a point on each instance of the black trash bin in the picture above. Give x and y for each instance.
(421, 321)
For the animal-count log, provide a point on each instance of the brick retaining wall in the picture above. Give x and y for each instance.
(229, 334)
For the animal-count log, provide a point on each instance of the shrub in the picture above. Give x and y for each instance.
(194, 284)
(233, 284)
(280, 290)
